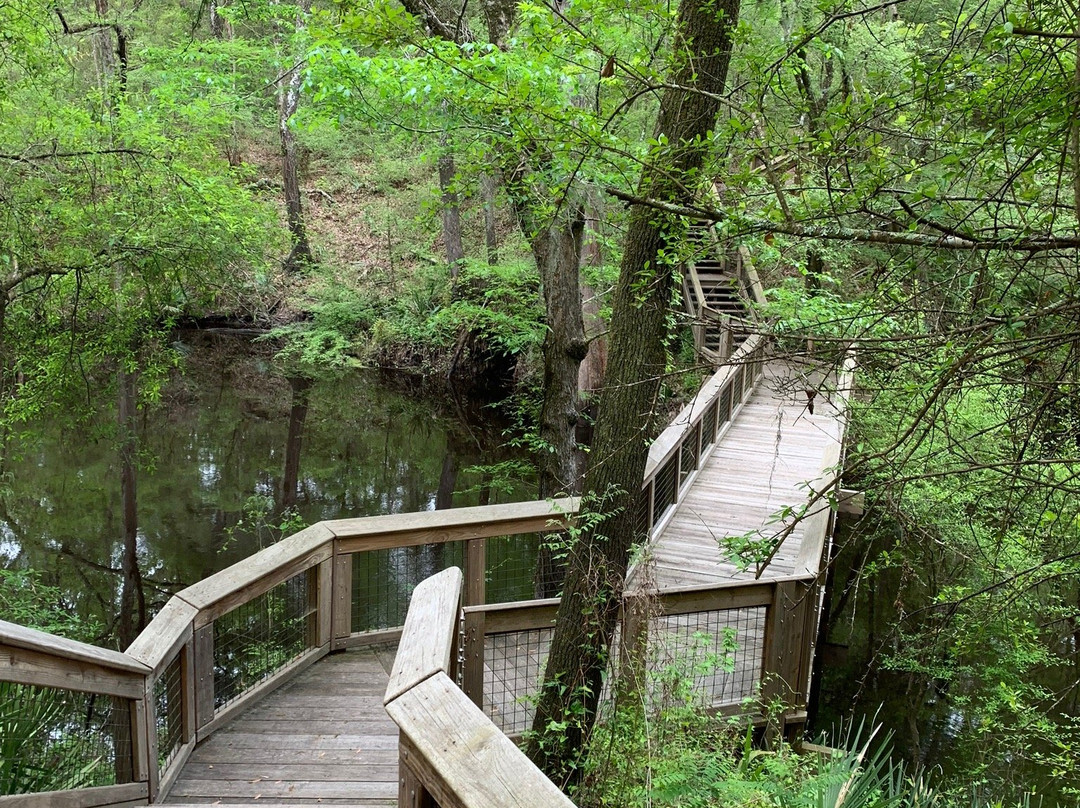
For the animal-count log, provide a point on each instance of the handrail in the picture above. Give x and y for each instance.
(449, 751)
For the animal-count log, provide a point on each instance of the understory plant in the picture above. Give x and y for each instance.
(659, 745)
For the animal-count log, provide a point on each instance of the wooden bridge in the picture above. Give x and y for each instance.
(232, 695)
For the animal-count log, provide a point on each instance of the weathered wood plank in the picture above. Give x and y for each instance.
(266, 790)
(342, 610)
(449, 741)
(257, 574)
(53, 669)
(258, 692)
(133, 793)
(427, 640)
(522, 616)
(434, 527)
(72, 650)
(160, 641)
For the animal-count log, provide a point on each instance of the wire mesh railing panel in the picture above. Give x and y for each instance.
(665, 488)
(169, 712)
(383, 581)
(52, 739)
(515, 569)
(709, 425)
(737, 385)
(513, 666)
(258, 638)
(688, 455)
(717, 653)
(723, 405)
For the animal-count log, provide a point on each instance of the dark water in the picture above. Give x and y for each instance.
(212, 458)
(927, 723)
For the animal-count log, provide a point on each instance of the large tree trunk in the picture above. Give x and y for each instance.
(636, 361)
(451, 212)
(591, 372)
(557, 249)
(288, 100)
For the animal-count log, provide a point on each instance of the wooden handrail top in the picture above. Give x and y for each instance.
(667, 443)
(42, 642)
(482, 518)
(461, 758)
(427, 641)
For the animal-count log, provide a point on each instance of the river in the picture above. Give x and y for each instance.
(213, 454)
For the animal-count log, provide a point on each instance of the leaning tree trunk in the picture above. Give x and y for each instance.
(588, 611)
(557, 249)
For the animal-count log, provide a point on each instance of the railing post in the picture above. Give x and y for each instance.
(150, 745)
(634, 642)
(341, 620)
(783, 684)
(187, 692)
(475, 572)
(411, 791)
(320, 603)
(472, 679)
(204, 676)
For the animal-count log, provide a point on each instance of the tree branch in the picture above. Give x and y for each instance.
(1029, 244)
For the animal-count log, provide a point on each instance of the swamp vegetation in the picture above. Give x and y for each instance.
(453, 192)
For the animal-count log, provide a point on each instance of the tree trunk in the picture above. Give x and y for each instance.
(132, 598)
(591, 371)
(451, 212)
(636, 362)
(557, 250)
(288, 102)
(488, 189)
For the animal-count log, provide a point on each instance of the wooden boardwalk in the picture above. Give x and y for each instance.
(324, 738)
(761, 464)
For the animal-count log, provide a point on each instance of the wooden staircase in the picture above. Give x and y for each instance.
(720, 290)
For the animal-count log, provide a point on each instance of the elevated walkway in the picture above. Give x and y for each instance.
(229, 696)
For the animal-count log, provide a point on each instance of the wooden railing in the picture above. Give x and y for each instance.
(680, 450)
(222, 643)
(450, 754)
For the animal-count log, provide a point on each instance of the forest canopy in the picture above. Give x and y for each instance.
(448, 188)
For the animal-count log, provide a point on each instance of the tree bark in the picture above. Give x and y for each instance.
(591, 371)
(636, 361)
(451, 213)
(488, 188)
(288, 100)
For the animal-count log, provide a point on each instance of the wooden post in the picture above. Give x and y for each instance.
(475, 572)
(204, 676)
(141, 738)
(320, 603)
(411, 791)
(698, 329)
(187, 692)
(342, 595)
(473, 673)
(151, 736)
(634, 643)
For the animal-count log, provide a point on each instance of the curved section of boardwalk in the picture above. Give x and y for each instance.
(762, 464)
(322, 739)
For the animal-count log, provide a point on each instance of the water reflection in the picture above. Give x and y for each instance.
(232, 443)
